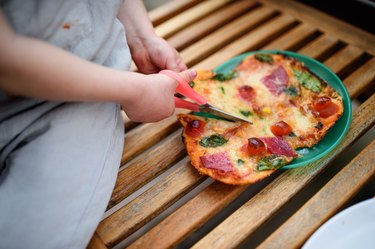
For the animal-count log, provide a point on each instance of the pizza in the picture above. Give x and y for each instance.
(289, 106)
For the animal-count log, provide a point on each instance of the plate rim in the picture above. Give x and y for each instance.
(347, 103)
(337, 218)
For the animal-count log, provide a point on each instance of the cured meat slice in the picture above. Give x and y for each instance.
(276, 81)
(278, 146)
(218, 161)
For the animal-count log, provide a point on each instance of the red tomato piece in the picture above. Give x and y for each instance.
(281, 128)
(195, 128)
(246, 92)
(325, 107)
(255, 146)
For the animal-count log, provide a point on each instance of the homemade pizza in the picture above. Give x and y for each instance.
(289, 106)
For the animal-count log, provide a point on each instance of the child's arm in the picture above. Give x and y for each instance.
(29, 67)
(149, 52)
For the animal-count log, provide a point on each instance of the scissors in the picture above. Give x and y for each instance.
(200, 104)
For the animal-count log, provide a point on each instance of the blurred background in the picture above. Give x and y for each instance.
(357, 12)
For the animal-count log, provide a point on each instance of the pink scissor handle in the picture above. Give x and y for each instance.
(180, 103)
(184, 88)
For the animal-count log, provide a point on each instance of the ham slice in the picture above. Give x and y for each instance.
(276, 81)
(218, 161)
(278, 146)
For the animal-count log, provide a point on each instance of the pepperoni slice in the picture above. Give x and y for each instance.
(218, 161)
(195, 128)
(276, 81)
(278, 146)
(246, 92)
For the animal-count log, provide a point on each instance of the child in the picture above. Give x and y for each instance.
(62, 72)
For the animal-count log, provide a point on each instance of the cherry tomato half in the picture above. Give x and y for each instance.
(281, 128)
(246, 92)
(195, 128)
(325, 107)
(255, 146)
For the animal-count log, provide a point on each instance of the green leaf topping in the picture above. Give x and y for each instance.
(225, 77)
(191, 84)
(270, 162)
(263, 57)
(240, 162)
(214, 140)
(222, 89)
(292, 134)
(246, 113)
(291, 91)
(308, 80)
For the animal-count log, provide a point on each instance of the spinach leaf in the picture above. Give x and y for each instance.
(225, 77)
(270, 162)
(214, 140)
(263, 57)
(245, 113)
(240, 162)
(308, 80)
(222, 89)
(291, 91)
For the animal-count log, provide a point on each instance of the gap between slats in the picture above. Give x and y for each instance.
(169, 10)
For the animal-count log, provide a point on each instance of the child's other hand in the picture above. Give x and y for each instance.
(154, 54)
(155, 100)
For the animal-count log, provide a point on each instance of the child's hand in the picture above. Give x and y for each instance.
(155, 99)
(154, 54)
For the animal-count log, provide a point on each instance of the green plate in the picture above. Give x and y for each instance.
(337, 132)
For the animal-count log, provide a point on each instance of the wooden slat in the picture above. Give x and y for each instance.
(263, 206)
(169, 10)
(253, 40)
(193, 14)
(226, 34)
(318, 48)
(148, 205)
(342, 59)
(189, 217)
(146, 135)
(300, 35)
(96, 242)
(344, 186)
(326, 23)
(361, 79)
(147, 166)
(212, 22)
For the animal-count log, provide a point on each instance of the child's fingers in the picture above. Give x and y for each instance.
(189, 74)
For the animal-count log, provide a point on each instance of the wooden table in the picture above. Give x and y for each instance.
(160, 201)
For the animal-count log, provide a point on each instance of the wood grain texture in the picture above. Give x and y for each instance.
(175, 24)
(293, 38)
(313, 214)
(326, 23)
(361, 79)
(225, 35)
(147, 166)
(96, 242)
(341, 60)
(253, 40)
(319, 47)
(148, 205)
(263, 206)
(169, 10)
(146, 135)
(189, 217)
(210, 23)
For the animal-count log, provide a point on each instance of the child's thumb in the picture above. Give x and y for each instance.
(188, 74)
